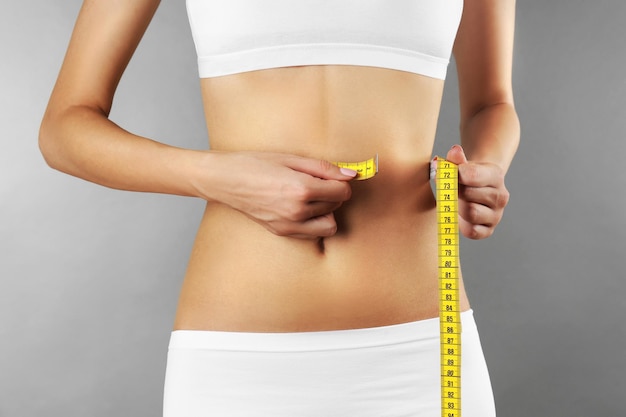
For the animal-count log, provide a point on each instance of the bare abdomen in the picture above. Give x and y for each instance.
(380, 268)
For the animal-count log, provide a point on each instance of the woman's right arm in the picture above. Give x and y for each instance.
(77, 137)
(287, 194)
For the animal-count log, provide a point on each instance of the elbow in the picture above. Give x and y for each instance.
(48, 143)
(59, 137)
(54, 138)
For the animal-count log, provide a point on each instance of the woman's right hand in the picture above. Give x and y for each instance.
(289, 195)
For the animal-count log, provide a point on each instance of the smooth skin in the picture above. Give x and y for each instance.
(288, 241)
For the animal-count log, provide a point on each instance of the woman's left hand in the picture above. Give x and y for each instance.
(482, 195)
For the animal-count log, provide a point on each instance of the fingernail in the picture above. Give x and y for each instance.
(348, 172)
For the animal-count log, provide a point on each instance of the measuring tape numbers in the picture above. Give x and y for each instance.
(446, 185)
(364, 169)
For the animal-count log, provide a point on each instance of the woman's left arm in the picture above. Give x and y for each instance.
(490, 127)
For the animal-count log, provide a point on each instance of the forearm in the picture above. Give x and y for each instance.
(492, 135)
(83, 142)
(289, 195)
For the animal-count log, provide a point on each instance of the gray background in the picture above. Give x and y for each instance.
(89, 276)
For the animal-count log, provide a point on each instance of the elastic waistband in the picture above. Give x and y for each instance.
(421, 330)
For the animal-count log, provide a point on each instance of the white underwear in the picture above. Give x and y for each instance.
(375, 372)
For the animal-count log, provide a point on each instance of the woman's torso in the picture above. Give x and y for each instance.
(380, 268)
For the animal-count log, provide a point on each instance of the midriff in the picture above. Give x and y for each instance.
(380, 268)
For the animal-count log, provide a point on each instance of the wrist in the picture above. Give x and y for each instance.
(492, 136)
(198, 174)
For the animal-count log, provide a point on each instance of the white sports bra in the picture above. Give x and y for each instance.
(234, 36)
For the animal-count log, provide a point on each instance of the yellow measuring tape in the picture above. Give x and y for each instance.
(446, 174)
(364, 169)
(446, 186)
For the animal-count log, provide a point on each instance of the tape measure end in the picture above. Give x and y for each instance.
(433, 168)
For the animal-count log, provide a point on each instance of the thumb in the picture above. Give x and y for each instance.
(323, 169)
(456, 155)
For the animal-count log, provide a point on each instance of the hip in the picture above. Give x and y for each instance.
(381, 371)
